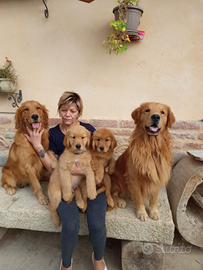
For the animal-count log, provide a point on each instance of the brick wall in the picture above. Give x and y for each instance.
(186, 135)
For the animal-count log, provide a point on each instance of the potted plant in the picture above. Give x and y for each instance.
(127, 19)
(8, 77)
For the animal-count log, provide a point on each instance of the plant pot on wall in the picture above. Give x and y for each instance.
(7, 86)
(87, 1)
(132, 15)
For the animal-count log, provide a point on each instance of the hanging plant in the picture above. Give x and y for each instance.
(8, 77)
(120, 35)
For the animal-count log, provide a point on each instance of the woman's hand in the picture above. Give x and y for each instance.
(35, 137)
(77, 169)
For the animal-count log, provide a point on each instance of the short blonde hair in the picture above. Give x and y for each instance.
(69, 98)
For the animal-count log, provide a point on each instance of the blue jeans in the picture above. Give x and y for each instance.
(69, 214)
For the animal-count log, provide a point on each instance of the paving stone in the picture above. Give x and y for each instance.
(142, 256)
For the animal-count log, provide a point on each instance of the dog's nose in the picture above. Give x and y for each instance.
(78, 146)
(35, 117)
(155, 117)
(102, 148)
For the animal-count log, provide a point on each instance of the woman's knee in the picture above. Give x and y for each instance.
(70, 227)
(69, 215)
(97, 227)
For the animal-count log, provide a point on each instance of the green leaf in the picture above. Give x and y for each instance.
(124, 47)
(120, 50)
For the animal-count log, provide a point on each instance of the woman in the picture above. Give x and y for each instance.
(70, 107)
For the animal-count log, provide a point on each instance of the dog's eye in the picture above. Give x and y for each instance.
(83, 137)
(73, 137)
(98, 140)
(107, 140)
(38, 108)
(162, 112)
(26, 109)
(147, 110)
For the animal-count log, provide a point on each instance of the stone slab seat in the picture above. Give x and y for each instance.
(23, 211)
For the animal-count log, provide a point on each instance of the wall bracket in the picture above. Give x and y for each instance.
(15, 97)
(46, 11)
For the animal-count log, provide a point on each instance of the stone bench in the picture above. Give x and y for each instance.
(141, 240)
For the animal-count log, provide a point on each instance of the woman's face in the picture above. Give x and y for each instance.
(69, 114)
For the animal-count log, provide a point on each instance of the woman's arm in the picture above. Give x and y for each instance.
(35, 138)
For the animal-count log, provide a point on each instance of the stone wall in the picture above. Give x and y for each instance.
(187, 135)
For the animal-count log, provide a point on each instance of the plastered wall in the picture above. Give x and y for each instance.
(64, 52)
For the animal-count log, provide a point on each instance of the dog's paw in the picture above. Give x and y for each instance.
(10, 191)
(85, 206)
(154, 214)
(110, 201)
(53, 164)
(71, 198)
(121, 203)
(92, 194)
(56, 220)
(53, 159)
(67, 197)
(98, 178)
(111, 170)
(142, 215)
(43, 200)
(80, 204)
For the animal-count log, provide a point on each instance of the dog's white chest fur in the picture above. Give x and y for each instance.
(75, 181)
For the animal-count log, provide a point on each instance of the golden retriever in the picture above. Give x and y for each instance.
(103, 144)
(62, 183)
(145, 166)
(24, 165)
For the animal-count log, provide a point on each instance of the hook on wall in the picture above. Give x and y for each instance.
(46, 11)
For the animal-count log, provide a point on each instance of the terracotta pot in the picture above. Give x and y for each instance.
(6, 86)
(87, 1)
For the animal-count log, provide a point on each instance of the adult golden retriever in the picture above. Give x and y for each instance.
(145, 166)
(103, 144)
(24, 165)
(62, 183)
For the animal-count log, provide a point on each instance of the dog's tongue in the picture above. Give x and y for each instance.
(154, 129)
(35, 125)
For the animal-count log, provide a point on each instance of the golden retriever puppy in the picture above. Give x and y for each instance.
(103, 144)
(62, 183)
(24, 165)
(145, 166)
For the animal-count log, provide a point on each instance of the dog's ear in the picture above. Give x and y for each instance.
(93, 142)
(66, 142)
(88, 139)
(136, 115)
(113, 143)
(18, 118)
(45, 120)
(171, 118)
